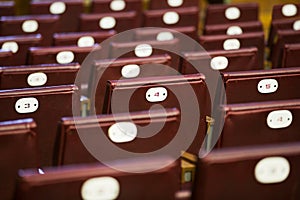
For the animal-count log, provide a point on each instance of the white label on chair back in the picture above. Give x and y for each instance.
(85, 41)
(117, 5)
(231, 44)
(164, 36)
(266, 86)
(10, 46)
(279, 119)
(107, 22)
(27, 105)
(289, 10)
(143, 50)
(234, 30)
(171, 17)
(65, 57)
(175, 3)
(219, 63)
(272, 170)
(130, 71)
(37, 79)
(30, 26)
(232, 13)
(296, 25)
(156, 94)
(101, 188)
(57, 8)
(122, 132)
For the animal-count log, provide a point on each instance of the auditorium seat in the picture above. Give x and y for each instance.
(18, 45)
(230, 13)
(232, 42)
(118, 21)
(290, 55)
(259, 172)
(13, 77)
(284, 24)
(261, 85)
(67, 55)
(243, 59)
(46, 105)
(68, 12)
(172, 17)
(81, 39)
(94, 181)
(282, 16)
(283, 37)
(285, 11)
(136, 132)
(59, 54)
(18, 150)
(167, 91)
(144, 49)
(258, 123)
(124, 68)
(45, 25)
(111, 6)
(236, 28)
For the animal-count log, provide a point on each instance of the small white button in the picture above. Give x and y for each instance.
(37, 79)
(143, 50)
(175, 3)
(164, 36)
(156, 94)
(130, 71)
(30, 26)
(296, 25)
(10, 46)
(231, 44)
(289, 10)
(86, 41)
(122, 132)
(27, 105)
(279, 119)
(57, 8)
(266, 86)
(272, 170)
(234, 30)
(107, 22)
(65, 57)
(101, 188)
(171, 17)
(117, 5)
(232, 13)
(219, 63)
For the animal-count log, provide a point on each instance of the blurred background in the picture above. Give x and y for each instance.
(265, 7)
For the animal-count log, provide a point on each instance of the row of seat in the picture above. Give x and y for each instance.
(128, 84)
(258, 132)
(95, 6)
(250, 162)
(210, 170)
(74, 20)
(48, 71)
(284, 36)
